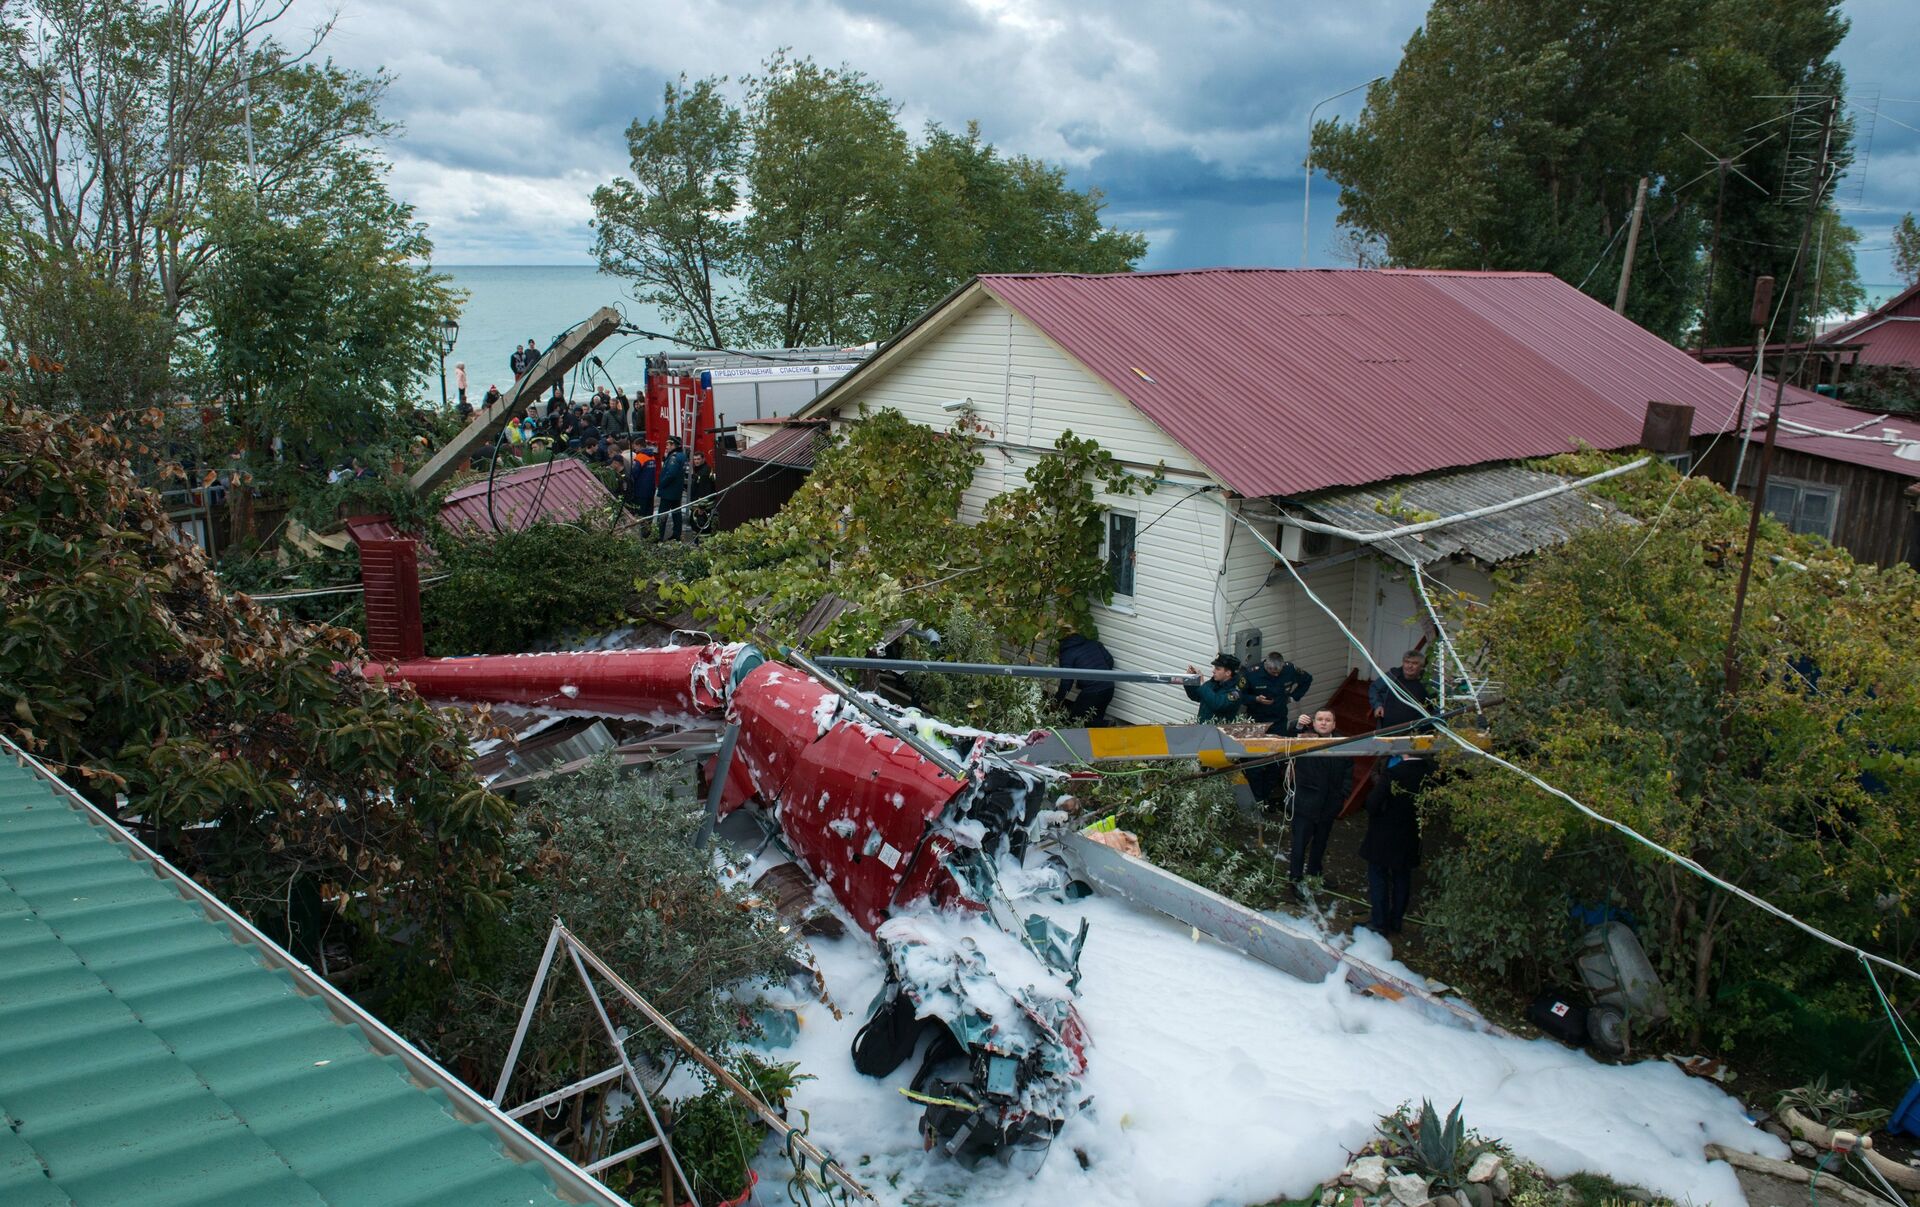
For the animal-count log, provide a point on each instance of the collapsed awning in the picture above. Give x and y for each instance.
(1492, 539)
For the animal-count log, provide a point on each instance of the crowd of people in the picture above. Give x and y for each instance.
(1317, 789)
(671, 487)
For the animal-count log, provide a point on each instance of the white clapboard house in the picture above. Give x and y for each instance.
(1352, 398)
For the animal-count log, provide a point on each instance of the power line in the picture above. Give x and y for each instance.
(1440, 726)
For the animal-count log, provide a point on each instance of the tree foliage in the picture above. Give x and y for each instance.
(613, 856)
(316, 327)
(244, 746)
(878, 524)
(154, 153)
(806, 215)
(510, 591)
(1798, 786)
(1513, 136)
(1906, 250)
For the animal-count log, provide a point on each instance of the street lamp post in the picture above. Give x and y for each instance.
(1306, 198)
(449, 331)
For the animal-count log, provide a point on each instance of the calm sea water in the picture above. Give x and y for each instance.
(507, 305)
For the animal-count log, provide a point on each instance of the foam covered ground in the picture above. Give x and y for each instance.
(1218, 1080)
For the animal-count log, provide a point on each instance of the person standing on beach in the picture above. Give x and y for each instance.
(460, 382)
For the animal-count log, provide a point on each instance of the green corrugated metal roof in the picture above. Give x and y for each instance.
(148, 1057)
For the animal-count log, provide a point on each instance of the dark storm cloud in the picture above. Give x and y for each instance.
(1190, 117)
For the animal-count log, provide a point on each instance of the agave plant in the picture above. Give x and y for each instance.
(1841, 1106)
(1441, 1152)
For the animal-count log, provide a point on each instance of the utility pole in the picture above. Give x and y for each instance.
(1758, 316)
(1306, 194)
(1815, 195)
(1633, 245)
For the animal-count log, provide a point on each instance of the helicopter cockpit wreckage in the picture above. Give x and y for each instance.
(927, 837)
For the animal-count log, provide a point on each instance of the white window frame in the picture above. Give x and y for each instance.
(1122, 601)
(1802, 488)
(1680, 461)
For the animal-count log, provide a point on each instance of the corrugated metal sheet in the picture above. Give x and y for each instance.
(1889, 335)
(1817, 410)
(530, 493)
(793, 445)
(1492, 539)
(1283, 381)
(147, 1056)
(521, 496)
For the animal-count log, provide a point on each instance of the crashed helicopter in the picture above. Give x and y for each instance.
(904, 830)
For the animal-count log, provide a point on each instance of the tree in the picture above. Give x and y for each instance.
(316, 327)
(1797, 786)
(878, 524)
(828, 164)
(1514, 135)
(117, 121)
(122, 123)
(1906, 250)
(613, 855)
(966, 210)
(807, 217)
(320, 805)
(672, 228)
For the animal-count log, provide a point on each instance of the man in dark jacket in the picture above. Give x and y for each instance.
(1389, 709)
(1392, 845)
(1320, 787)
(673, 485)
(700, 484)
(1272, 687)
(642, 477)
(1218, 694)
(523, 359)
(1086, 700)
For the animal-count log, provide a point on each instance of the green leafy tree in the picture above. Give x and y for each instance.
(509, 591)
(317, 327)
(878, 524)
(1906, 250)
(1797, 786)
(671, 229)
(806, 216)
(828, 164)
(315, 802)
(965, 209)
(1513, 136)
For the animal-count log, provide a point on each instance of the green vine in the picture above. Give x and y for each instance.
(878, 525)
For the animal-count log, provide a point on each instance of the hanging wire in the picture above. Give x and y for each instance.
(1440, 726)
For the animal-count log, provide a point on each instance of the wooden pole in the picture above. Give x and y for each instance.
(1633, 245)
(1814, 197)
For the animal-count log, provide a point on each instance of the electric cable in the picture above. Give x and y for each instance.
(1441, 727)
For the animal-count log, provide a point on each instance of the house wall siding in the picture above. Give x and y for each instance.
(1259, 593)
(1875, 521)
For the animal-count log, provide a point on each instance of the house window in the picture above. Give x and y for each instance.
(1803, 506)
(1680, 461)
(1120, 552)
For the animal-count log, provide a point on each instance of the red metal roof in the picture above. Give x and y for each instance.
(1813, 410)
(521, 497)
(1282, 381)
(1889, 335)
(792, 446)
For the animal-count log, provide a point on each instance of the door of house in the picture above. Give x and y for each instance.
(1399, 622)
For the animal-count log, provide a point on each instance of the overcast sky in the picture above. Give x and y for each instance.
(1192, 118)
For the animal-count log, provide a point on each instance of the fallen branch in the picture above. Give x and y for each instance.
(1893, 1171)
(1787, 1171)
